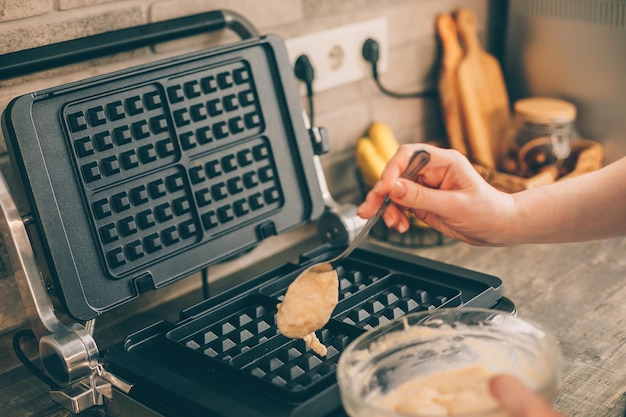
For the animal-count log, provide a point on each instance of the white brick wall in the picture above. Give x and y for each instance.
(11, 9)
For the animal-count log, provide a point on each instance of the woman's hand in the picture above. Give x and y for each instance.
(517, 400)
(449, 195)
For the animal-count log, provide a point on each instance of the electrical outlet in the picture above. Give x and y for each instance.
(336, 53)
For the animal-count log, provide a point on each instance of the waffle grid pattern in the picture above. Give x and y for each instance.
(172, 163)
(243, 335)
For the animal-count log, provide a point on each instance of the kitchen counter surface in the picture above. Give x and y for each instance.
(576, 291)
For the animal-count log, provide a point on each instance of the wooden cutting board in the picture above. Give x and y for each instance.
(452, 54)
(484, 97)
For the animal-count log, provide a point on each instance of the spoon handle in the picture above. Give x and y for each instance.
(418, 160)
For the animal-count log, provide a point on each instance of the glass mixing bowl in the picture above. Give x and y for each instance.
(447, 356)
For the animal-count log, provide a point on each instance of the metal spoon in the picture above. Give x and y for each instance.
(418, 160)
(311, 298)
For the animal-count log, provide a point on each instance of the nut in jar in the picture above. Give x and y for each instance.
(541, 137)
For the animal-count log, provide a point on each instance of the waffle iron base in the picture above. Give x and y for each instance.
(226, 357)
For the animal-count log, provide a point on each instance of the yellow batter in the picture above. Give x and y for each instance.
(449, 393)
(308, 304)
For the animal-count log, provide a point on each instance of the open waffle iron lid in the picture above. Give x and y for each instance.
(140, 177)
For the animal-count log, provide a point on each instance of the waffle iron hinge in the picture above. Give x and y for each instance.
(339, 224)
(90, 391)
(68, 352)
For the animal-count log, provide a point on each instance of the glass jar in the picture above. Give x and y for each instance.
(542, 135)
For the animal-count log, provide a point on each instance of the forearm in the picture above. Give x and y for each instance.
(588, 207)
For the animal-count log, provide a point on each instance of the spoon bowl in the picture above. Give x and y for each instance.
(311, 298)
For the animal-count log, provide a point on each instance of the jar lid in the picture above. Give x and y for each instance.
(545, 110)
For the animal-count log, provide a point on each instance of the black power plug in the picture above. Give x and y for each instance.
(371, 53)
(304, 71)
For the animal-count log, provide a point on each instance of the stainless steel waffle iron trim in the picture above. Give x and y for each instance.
(138, 178)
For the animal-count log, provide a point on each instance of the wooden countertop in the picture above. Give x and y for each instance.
(577, 291)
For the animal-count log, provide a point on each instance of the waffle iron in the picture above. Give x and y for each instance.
(138, 178)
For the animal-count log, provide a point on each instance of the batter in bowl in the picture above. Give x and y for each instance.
(448, 393)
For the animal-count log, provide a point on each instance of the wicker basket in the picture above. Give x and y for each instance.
(586, 156)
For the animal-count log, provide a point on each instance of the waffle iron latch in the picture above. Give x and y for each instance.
(339, 224)
(319, 139)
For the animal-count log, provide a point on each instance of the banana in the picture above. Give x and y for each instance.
(372, 154)
(383, 139)
(416, 222)
(369, 161)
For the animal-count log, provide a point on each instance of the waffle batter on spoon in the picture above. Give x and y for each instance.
(312, 297)
(308, 304)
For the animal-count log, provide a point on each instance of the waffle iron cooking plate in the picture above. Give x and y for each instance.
(225, 356)
(143, 176)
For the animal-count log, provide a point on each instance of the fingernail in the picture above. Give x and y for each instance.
(388, 219)
(398, 190)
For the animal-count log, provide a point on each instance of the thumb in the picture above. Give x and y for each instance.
(517, 400)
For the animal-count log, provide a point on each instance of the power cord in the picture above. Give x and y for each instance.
(17, 338)
(371, 53)
(304, 71)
